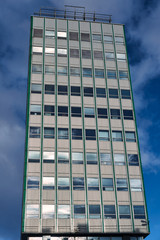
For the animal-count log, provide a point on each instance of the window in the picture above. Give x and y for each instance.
(105, 158)
(32, 211)
(99, 73)
(36, 68)
(94, 211)
(37, 50)
(35, 109)
(48, 132)
(119, 159)
(111, 74)
(61, 52)
(74, 53)
(87, 72)
(128, 114)
(91, 158)
(86, 54)
(63, 183)
(37, 33)
(34, 132)
(130, 136)
(101, 92)
(73, 36)
(89, 112)
(103, 135)
(109, 56)
(78, 183)
(125, 94)
(79, 211)
(62, 35)
(49, 51)
(90, 134)
(76, 111)
(48, 183)
(62, 71)
(124, 211)
(121, 57)
(122, 184)
(123, 75)
(32, 182)
(85, 37)
(49, 69)
(48, 157)
(93, 184)
(88, 92)
(63, 211)
(139, 212)
(96, 37)
(48, 110)
(34, 156)
(77, 158)
(136, 185)
(113, 93)
(62, 133)
(107, 39)
(49, 34)
(119, 40)
(47, 211)
(98, 55)
(76, 134)
(102, 113)
(107, 184)
(109, 212)
(63, 157)
(74, 71)
(63, 111)
(133, 160)
(49, 89)
(62, 90)
(75, 91)
(117, 136)
(36, 88)
(115, 113)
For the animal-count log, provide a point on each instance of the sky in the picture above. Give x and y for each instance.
(142, 21)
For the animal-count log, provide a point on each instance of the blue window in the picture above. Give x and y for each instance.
(139, 212)
(88, 92)
(90, 134)
(87, 72)
(109, 212)
(99, 73)
(78, 183)
(76, 134)
(94, 211)
(101, 92)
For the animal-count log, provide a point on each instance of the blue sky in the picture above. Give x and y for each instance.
(142, 21)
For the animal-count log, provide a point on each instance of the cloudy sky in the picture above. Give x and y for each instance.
(142, 20)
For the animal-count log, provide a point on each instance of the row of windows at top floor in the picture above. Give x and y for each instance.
(74, 36)
(87, 238)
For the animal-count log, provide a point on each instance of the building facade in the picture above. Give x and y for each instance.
(82, 176)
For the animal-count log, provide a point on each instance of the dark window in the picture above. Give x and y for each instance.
(63, 157)
(63, 111)
(33, 182)
(133, 160)
(73, 36)
(96, 37)
(101, 92)
(125, 94)
(94, 211)
(86, 54)
(62, 133)
(139, 212)
(37, 33)
(49, 89)
(85, 37)
(35, 109)
(76, 111)
(87, 72)
(63, 183)
(91, 158)
(75, 91)
(48, 110)
(117, 136)
(109, 212)
(107, 184)
(115, 113)
(36, 88)
(88, 92)
(79, 211)
(34, 132)
(93, 184)
(123, 75)
(90, 134)
(89, 112)
(74, 71)
(103, 135)
(48, 132)
(99, 73)
(78, 183)
(62, 90)
(102, 112)
(62, 71)
(111, 74)
(76, 134)
(130, 136)
(74, 53)
(113, 93)
(98, 55)
(128, 114)
(124, 211)
(36, 68)
(122, 184)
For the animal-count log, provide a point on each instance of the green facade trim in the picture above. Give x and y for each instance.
(110, 130)
(139, 153)
(124, 140)
(27, 127)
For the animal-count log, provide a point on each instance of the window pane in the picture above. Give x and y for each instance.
(63, 211)
(63, 183)
(94, 211)
(107, 184)
(79, 211)
(36, 68)
(90, 134)
(37, 50)
(63, 111)
(93, 184)
(32, 182)
(62, 35)
(73, 36)
(77, 158)
(101, 92)
(63, 157)
(34, 132)
(32, 211)
(48, 132)
(136, 185)
(125, 94)
(62, 90)
(113, 93)
(61, 52)
(35, 109)
(87, 72)
(107, 39)
(48, 110)
(105, 158)
(78, 183)
(62, 133)
(75, 91)
(91, 158)
(98, 55)
(48, 157)
(76, 111)
(109, 212)
(49, 34)
(119, 40)
(128, 114)
(48, 183)
(121, 57)
(85, 37)
(122, 184)
(88, 92)
(49, 51)
(76, 134)
(124, 211)
(119, 159)
(117, 136)
(123, 75)
(102, 113)
(36, 88)
(139, 212)
(86, 54)
(74, 71)
(37, 33)
(130, 136)
(62, 71)
(99, 73)
(49, 89)
(49, 69)
(74, 53)
(96, 37)
(109, 55)
(115, 113)
(47, 211)
(103, 135)
(133, 160)
(111, 74)
(89, 112)
(34, 156)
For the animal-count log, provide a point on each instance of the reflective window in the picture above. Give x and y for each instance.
(62, 71)
(99, 73)
(103, 135)
(34, 132)
(48, 183)
(119, 40)
(36, 68)
(35, 109)
(49, 89)
(96, 37)
(86, 54)
(48, 110)
(107, 39)
(32, 182)
(78, 183)
(32, 211)
(49, 69)
(109, 212)
(115, 113)
(76, 111)
(90, 134)
(88, 92)
(77, 158)
(74, 53)
(111, 74)
(117, 136)
(130, 136)
(123, 75)
(76, 134)
(107, 184)
(75, 91)
(63, 111)
(93, 184)
(63, 183)
(125, 94)
(98, 55)
(73, 36)
(49, 51)
(89, 112)
(128, 114)
(62, 90)
(85, 37)
(63, 211)
(136, 185)
(119, 159)
(63, 157)
(37, 33)
(121, 57)
(48, 132)
(49, 34)
(105, 158)
(122, 184)
(109, 55)
(79, 211)
(133, 160)
(36, 88)
(62, 35)
(101, 92)
(94, 211)
(48, 157)
(91, 158)
(87, 72)
(62, 133)
(47, 211)
(124, 211)
(102, 113)
(34, 156)
(113, 93)
(74, 71)
(37, 50)
(61, 52)
(139, 212)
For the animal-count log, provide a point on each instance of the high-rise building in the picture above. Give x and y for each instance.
(83, 175)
